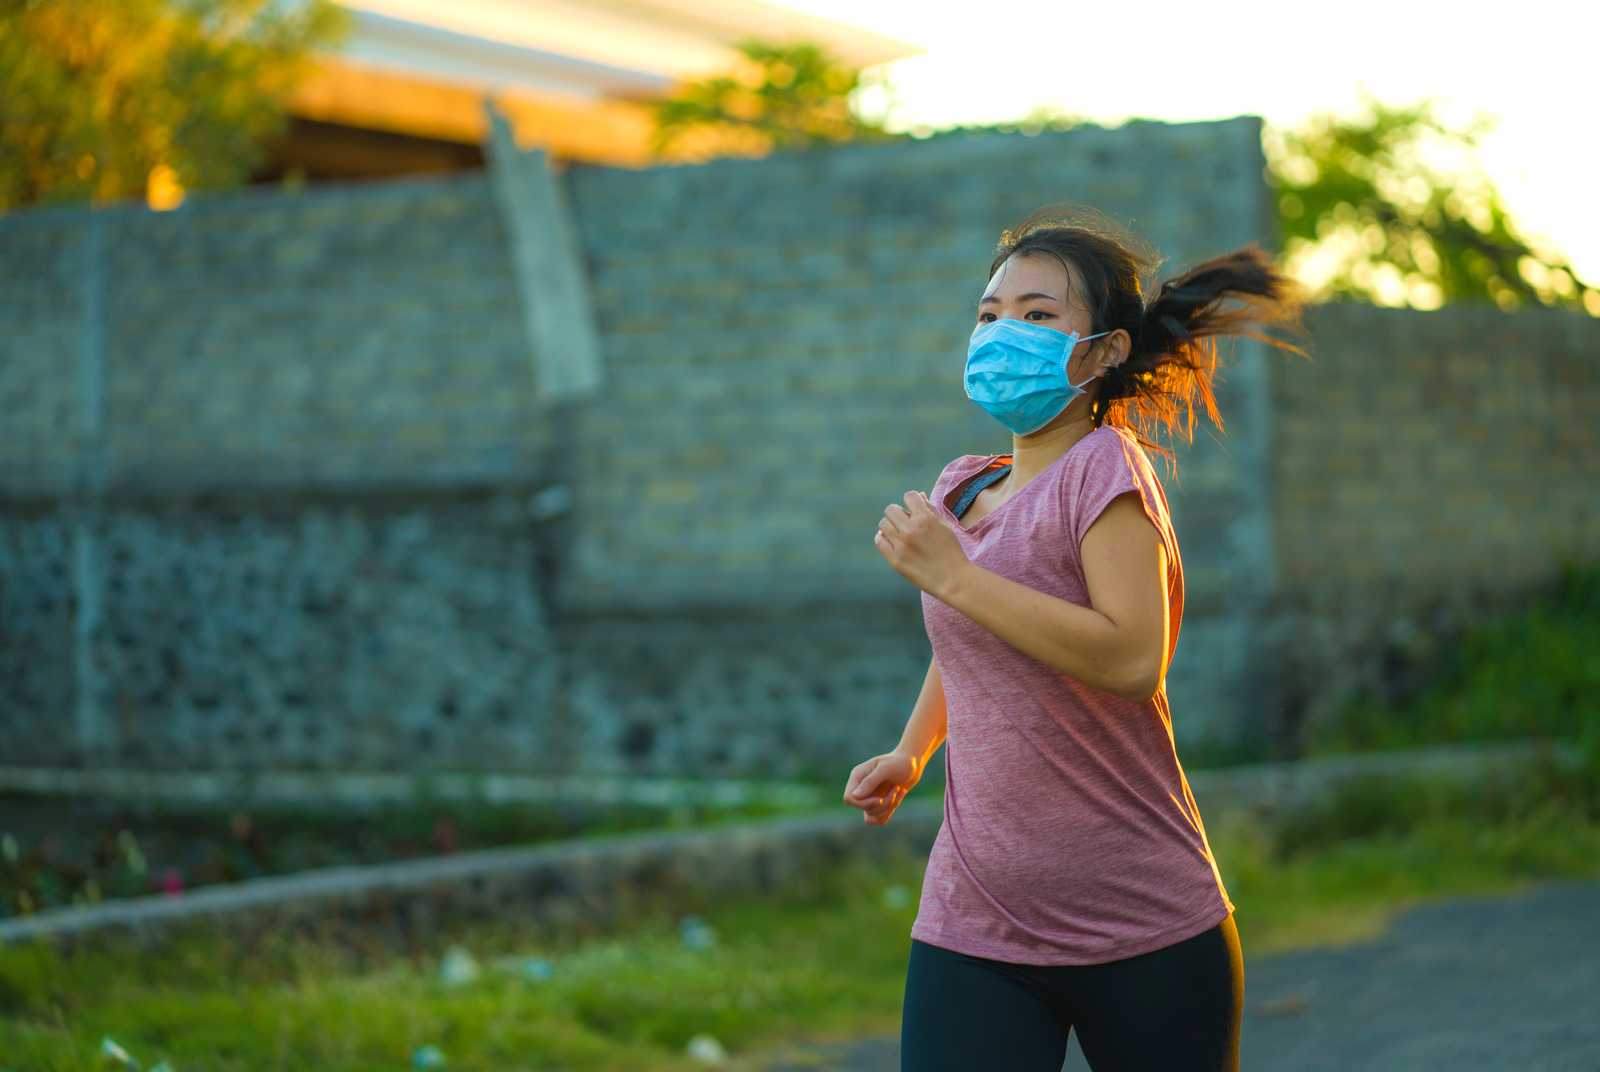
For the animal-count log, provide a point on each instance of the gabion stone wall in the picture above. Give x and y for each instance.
(413, 634)
(312, 634)
(37, 642)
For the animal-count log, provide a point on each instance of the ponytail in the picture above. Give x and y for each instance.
(1174, 356)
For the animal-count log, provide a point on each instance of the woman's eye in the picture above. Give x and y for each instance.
(984, 318)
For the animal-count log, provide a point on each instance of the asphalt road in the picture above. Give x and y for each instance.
(1502, 982)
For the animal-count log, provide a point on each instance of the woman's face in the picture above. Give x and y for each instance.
(1035, 287)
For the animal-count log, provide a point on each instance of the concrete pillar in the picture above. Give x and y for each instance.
(548, 260)
(87, 561)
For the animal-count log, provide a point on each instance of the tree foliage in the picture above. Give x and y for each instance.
(98, 96)
(785, 96)
(1392, 206)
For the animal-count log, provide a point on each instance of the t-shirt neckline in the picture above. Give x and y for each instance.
(976, 525)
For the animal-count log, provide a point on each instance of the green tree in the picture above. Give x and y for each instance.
(787, 96)
(95, 95)
(1392, 206)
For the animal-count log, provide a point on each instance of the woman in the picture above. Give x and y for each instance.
(1071, 884)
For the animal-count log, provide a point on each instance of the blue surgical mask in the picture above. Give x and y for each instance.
(1017, 372)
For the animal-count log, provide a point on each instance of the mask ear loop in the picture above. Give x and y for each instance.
(1074, 346)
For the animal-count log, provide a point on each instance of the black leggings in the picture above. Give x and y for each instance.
(1175, 1008)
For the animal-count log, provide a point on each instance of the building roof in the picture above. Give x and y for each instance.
(596, 49)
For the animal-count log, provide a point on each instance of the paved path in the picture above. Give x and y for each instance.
(1503, 982)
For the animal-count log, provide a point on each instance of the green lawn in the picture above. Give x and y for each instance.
(829, 966)
(1532, 673)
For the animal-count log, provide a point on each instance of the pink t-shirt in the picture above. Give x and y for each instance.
(1070, 835)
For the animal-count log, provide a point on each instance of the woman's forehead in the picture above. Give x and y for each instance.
(1031, 271)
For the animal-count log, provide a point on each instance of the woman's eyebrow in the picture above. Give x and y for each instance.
(987, 298)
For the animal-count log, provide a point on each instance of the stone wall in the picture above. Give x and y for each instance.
(1428, 467)
(352, 336)
(247, 633)
(577, 472)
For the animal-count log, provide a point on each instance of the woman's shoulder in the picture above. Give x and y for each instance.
(1112, 456)
(1114, 465)
(1098, 448)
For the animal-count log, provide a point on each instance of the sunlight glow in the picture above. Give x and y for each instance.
(1109, 62)
(163, 191)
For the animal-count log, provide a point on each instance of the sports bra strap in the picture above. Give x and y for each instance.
(978, 484)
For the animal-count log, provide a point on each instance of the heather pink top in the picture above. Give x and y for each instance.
(1070, 835)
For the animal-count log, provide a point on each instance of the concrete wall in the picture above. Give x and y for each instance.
(350, 336)
(543, 472)
(788, 335)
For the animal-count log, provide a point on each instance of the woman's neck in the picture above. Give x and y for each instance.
(1032, 455)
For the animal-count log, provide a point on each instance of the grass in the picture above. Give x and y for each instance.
(830, 964)
(1340, 871)
(60, 851)
(628, 1001)
(1380, 845)
(1534, 673)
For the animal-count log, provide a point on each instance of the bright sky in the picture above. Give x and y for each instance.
(1530, 66)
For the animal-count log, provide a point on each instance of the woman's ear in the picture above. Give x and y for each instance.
(1114, 350)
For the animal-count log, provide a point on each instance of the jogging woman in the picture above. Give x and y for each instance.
(1071, 885)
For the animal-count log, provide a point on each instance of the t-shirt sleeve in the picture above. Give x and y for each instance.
(1113, 468)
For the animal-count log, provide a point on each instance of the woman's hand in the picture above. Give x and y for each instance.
(878, 785)
(919, 544)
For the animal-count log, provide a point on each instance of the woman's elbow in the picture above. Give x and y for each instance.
(1140, 682)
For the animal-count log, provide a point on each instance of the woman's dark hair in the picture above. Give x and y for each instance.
(1174, 354)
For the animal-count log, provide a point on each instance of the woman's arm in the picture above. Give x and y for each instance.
(1119, 642)
(925, 730)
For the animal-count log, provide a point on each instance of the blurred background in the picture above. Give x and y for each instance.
(428, 427)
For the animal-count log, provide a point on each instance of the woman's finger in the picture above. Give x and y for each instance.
(853, 786)
(887, 802)
(865, 783)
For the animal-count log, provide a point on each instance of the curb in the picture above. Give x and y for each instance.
(589, 881)
(597, 881)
